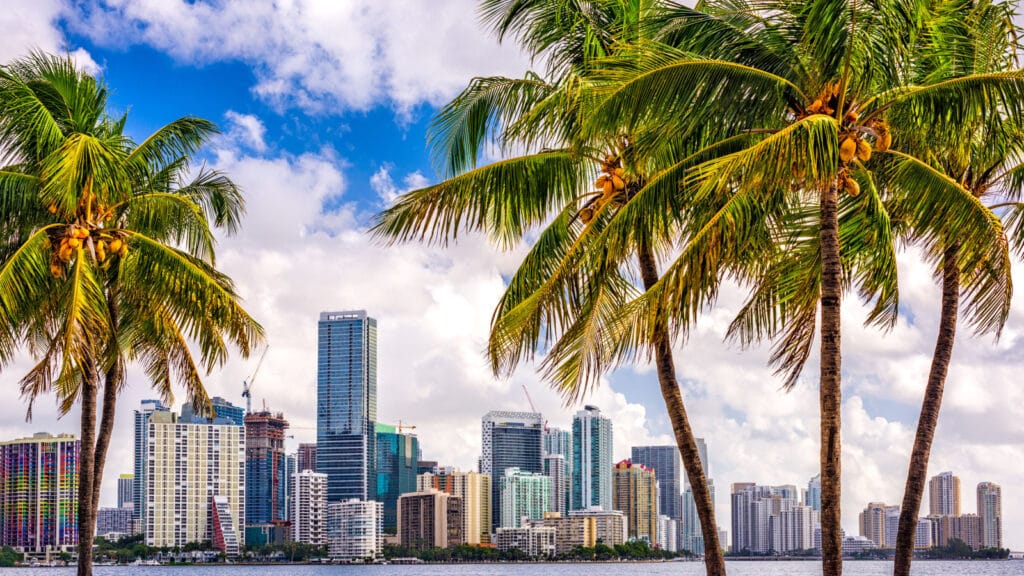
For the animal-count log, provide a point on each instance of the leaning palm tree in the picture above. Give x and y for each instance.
(985, 158)
(578, 273)
(818, 82)
(92, 222)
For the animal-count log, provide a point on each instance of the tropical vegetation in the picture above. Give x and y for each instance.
(90, 222)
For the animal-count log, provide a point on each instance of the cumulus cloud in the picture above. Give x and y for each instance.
(318, 55)
(247, 130)
(33, 25)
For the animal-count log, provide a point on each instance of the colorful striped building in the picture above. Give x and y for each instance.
(39, 493)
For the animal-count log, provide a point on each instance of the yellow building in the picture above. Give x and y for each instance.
(475, 490)
(195, 482)
(635, 494)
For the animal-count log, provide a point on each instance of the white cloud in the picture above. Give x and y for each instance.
(319, 55)
(246, 129)
(32, 25)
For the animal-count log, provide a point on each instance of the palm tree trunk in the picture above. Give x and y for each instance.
(830, 386)
(914, 490)
(714, 561)
(111, 387)
(86, 463)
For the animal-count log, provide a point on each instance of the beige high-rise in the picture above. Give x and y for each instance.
(990, 509)
(635, 494)
(944, 495)
(475, 490)
(429, 519)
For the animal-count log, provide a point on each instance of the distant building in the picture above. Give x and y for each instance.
(536, 541)
(39, 493)
(266, 469)
(923, 535)
(146, 409)
(510, 440)
(769, 519)
(397, 457)
(856, 544)
(355, 530)
(210, 454)
(990, 509)
(523, 495)
(665, 462)
(475, 490)
(592, 460)
(125, 491)
(224, 409)
(635, 494)
(873, 522)
(796, 524)
(557, 469)
(309, 508)
(306, 457)
(607, 527)
(966, 527)
(813, 495)
(944, 495)
(347, 404)
(430, 519)
(667, 531)
(114, 521)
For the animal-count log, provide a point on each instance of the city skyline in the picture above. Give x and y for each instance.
(298, 256)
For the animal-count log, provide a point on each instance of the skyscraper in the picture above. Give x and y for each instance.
(635, 494)
(347, 404)
(475, 490)
(813, 495)
(195, 471)
(146, 409)
(125, 487)
(510, 440)
(397, 457)
(309, 507)
(556, 468)
(944, 495)
(558, 442)
(990, 509)
(592, 460)
(39, 493)
(430, 519)
(306, 457)
(266, 468)
(665, 462)
(523, 495)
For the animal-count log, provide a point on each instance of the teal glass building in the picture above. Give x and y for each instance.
(397, 458)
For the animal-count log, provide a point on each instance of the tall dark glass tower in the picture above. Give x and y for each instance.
(664, 460)
(398, 456)
(346, 404)
(510, 440)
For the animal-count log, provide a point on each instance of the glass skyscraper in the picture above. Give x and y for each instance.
(510, 440)
(592, 460)
(397, 458)
(346, 404)
(665, 462)
(266, 468)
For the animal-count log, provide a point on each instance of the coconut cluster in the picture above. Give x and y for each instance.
(85, 234)
(611, 187)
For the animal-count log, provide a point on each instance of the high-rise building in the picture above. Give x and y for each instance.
(635, 494)
(667, 531)
(558, 442)
(306, 457)
(523, 495)
(757, 521)
(195, 481)
(872, 522)
(289, 491)
(347, 404)
(924, 537)
(813, 495)
(475, 490)
(355, 529)
(146, 409)
(429, 519)
(797, 528)
(224, 409)
(556, 468)
(510, 440)
(592, 460)
(266, 469)
(965, 527)
(397, 457)
(691, 534)
(39, 493)
(990, 509)
(114, 523)
(605, 526)
(665, 462)
(125, 487)
(944, 495)
(892, 526)
(309, 507)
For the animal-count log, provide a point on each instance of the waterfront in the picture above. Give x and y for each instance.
(738, 568)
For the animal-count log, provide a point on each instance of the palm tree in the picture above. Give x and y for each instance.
(985, 158)
(566, 293)
(92, 222)
(818, 82)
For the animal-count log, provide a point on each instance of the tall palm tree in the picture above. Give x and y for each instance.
(985, 158)
(818, 81)
(92, 222)
(565, 295)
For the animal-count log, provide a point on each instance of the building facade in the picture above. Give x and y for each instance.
(592, 460)
(635, 494)
(39, 493)
(944, 495)
(557, 469)
(558, 442)
(667, 466)
(355, 529)
(141, 430)
(475, 490)
(125, 491)
(266, 469)
(524, 495)
(347, 404)
(114, 523)
(510, 440)
(195, 473)
(812, 497)
(429, 519)
(305, 457)
(536, 541)
(309, 507)
(990, 509)
(397, 458)
(668, 529)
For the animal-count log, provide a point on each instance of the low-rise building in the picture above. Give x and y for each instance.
(430, 519)
(536, 541)
(355, 529)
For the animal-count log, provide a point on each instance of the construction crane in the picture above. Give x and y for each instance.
(405, 427)
(532, 406)
(247, 384)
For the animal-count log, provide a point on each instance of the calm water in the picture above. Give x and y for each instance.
(991, 568)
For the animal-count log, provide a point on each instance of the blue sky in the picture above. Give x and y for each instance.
(324, 107)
